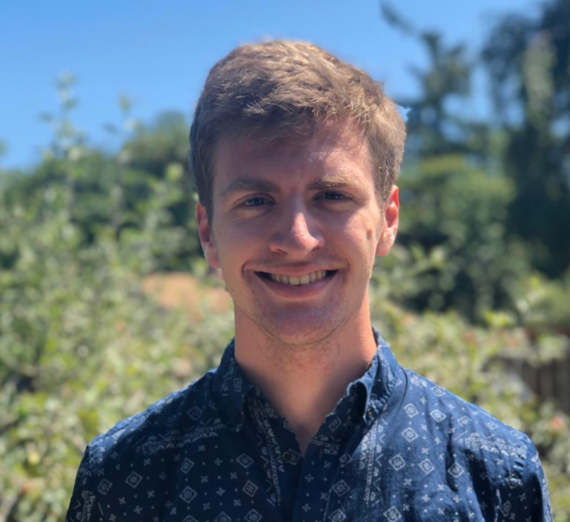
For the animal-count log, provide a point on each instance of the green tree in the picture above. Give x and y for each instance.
(454, 193)
(79, 344)
(117, 192)
(435, 128)
(528, 61)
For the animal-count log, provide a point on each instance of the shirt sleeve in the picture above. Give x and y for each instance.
(534, 500)
(83, 497)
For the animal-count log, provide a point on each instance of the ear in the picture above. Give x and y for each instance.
(391, 212)
(206, 237)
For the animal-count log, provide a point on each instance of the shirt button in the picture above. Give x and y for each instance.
(287, 457)
(370, 414)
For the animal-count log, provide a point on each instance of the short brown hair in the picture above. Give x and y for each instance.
(279, 90)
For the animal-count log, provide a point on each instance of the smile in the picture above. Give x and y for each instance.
(298, 280)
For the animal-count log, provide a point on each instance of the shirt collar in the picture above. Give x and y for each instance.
(379, 380)
(376, 385)
(231, 386)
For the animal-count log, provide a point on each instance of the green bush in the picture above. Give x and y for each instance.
(79, 345)
(454, 215)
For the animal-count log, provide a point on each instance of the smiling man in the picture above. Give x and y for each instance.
(309, 417)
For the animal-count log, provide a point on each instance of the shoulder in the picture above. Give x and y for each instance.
(450, 418)
(477, 448)
(146, 433)
(447, 412)
(141, 451)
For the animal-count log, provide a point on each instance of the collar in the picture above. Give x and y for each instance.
(379, 380)
(231, 386)
(373, 389)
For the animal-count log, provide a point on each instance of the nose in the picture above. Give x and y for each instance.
(297, 232)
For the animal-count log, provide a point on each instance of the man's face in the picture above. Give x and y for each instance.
(296, 229)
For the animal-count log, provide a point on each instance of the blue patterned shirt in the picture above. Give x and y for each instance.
(396, 448)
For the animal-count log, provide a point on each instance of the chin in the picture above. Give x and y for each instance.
(300, 333)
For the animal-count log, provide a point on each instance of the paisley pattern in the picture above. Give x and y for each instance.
(397, 447)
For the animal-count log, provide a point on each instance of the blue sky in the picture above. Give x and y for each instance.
(159, 53)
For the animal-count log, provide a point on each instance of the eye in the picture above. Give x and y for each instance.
(333, 196)
(256, 201)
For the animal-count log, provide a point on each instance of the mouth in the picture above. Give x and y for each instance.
(303, 280)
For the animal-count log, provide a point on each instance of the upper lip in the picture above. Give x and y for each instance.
(293, 271)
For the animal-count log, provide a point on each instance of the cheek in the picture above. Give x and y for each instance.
(364, 238)
(238, 244)
(362, 231)
(359, 245)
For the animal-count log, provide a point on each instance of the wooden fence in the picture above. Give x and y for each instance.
(549, 381)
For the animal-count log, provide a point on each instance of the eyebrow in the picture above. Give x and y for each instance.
(330, 182)
(258, 185)
(246, 185)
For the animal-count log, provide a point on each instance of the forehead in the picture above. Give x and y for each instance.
(334, 148)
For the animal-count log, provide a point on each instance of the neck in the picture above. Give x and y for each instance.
(304, 383)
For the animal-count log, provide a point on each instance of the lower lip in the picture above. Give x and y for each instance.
(297, 291)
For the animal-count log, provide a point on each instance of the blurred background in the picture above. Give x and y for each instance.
(106, 303)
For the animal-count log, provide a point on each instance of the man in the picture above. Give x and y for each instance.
(309, 417)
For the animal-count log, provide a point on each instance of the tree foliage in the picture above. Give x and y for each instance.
(529, 62)
(79, 345)
(489, 202)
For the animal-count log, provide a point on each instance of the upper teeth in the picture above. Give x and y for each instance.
(303, 280)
